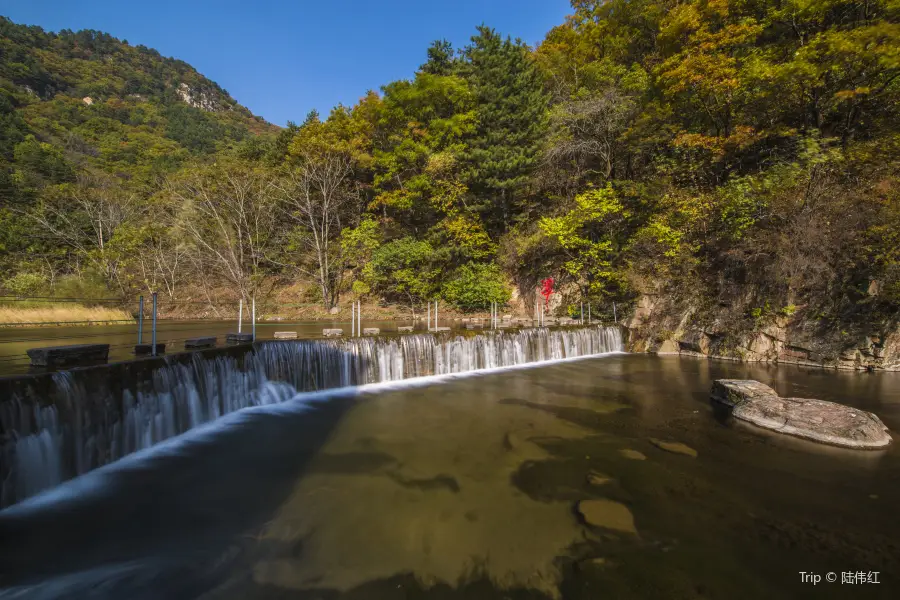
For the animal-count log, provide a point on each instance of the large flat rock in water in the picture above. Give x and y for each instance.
(816, 420)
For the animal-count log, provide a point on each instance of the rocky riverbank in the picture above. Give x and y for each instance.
(664, 326)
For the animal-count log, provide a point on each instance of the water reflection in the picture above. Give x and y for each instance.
(468, 489)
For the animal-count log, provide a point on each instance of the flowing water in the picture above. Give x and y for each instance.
(465, 485)
(106, 423)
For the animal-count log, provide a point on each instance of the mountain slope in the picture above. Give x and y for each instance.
(71, 101)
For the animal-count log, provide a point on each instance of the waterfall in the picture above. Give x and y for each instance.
(93, 423)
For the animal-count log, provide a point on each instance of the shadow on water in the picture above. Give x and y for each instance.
(469, 489)
(185, 501)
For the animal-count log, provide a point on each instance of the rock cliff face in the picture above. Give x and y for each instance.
(661, 325)
(198, 98)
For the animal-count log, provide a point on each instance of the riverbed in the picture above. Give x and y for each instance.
(466, 486)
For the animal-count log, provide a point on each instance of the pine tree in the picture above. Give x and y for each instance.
(441, 59)
(512, 119)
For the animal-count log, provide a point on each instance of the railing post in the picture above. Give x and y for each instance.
(153, 327)
(615, 318)
(428, 326)
(240, 313)
(435, 315)
(589, 313)
(581, 314)
(253, 317)
(140, 320)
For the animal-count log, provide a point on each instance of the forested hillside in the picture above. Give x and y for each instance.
(727, 163)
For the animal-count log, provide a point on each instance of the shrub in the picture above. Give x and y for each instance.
(474, 286)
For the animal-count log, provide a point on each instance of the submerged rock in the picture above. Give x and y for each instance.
(674, 447)
(607, 514)
(595, 478)
(816, 420)
(632, 454)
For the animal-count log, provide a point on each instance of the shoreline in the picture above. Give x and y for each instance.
(797, 363)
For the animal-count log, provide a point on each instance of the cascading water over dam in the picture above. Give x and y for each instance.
(81, 421)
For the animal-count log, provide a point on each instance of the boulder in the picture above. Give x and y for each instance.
(816, 420)
(334, 310)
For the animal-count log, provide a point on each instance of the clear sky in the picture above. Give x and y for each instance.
(281, 59)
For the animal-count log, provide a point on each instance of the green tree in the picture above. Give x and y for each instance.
(441, 59)
(511, 112)
(402, 270)
(587, 237)
(474, 286)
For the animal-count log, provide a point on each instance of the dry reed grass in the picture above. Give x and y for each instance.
(70, 313)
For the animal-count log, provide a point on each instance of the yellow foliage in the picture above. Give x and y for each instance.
(61, 314)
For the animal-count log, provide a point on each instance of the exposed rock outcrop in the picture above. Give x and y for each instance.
(816, 420)
(787, 336)
(198, 98)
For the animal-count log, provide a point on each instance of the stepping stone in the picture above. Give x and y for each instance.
(285, 335)
(239, 338)
(405, 329)
(332, 332)
(67, 356)
(200, 342)
(146, 349)
(371, 330)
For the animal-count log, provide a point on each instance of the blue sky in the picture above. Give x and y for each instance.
(281, 59)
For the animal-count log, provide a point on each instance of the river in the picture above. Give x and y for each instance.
(15, 341)
(465, 486)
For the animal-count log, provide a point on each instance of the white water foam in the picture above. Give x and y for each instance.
(182, 397)
(81, 488)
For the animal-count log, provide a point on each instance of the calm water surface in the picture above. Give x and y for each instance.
(15, 341)
(467, 488)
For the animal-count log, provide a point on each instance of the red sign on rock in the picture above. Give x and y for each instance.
(547, 290)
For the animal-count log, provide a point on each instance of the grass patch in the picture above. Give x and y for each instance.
(51, 314)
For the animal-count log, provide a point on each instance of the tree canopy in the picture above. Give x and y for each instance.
(684, 147)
